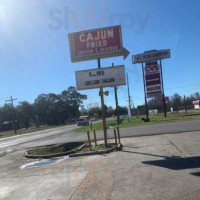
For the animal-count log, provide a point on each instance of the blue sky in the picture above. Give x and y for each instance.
(34, 48)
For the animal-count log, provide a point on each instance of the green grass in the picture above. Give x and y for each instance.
(10, 133)
(154, 119)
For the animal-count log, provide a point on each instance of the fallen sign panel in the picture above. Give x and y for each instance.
(100, 77)
(97, 43)
(151, 56)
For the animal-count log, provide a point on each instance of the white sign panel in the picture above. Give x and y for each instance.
(154, 111)
(151, 56)
(100, 77)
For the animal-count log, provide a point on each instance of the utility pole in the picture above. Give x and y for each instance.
(129, 98)
(132, 106)
(116, 102)
(11, 100)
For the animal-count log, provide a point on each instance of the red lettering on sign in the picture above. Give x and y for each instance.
(97, 41)
(150, 69)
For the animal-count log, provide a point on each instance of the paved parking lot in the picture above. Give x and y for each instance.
(149, 167)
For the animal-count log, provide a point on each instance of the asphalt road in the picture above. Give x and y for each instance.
(66, 134)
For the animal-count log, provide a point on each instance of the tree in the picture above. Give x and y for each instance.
(176, 101)
(94, 112)
(73, 100)
(7, 113)
(7, 117)
(155, 103)
(25, 113)
(110, 111)
(122, 110)
(57, 109)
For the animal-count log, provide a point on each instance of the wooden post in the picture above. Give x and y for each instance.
(118, 135)
(95, 138)
(115, 135)
(88, 134)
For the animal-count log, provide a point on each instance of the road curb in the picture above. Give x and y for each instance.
(53, 155)
(118, 148)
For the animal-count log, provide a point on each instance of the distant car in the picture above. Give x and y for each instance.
(82, 122)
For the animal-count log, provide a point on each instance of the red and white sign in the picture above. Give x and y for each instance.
(152, 69)
(154, 90)
(97, 43)
(196, 102)
(152, 80)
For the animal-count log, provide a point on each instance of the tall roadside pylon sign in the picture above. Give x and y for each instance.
(97, 44)
(150, 56)
(152, 74)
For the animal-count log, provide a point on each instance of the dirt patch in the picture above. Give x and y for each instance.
(54, 150)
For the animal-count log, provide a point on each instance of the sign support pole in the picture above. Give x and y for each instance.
(117, 106)
(116, 102)
(129, 97)
(163, 93)
(103, 108)
(145, 95)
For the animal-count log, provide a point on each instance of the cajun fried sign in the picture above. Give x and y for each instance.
(97, 43)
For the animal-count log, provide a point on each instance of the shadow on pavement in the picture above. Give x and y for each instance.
(174, 163)
(196, 174)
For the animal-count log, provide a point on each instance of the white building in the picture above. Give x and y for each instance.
(196, 104)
